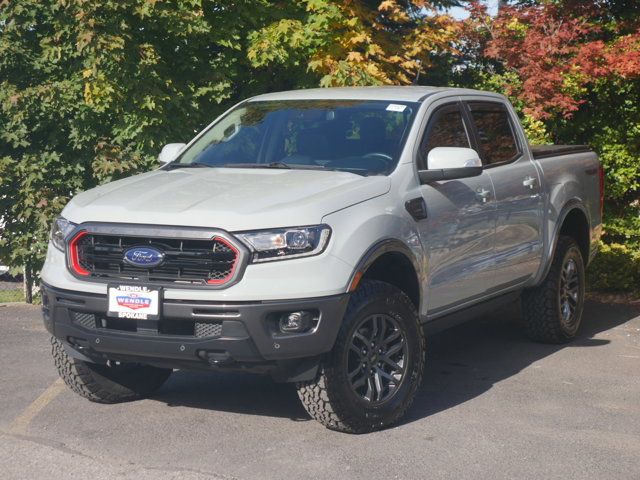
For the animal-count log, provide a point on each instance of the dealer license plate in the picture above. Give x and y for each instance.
(134, 301)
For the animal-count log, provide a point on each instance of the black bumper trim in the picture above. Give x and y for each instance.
(248, 330)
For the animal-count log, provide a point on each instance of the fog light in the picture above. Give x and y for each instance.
(296, 322)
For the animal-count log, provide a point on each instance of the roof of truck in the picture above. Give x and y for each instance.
(406, 94)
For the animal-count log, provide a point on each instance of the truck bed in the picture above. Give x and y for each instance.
(544, 151)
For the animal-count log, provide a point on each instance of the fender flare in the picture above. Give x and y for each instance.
(375, 251)
(568, 207)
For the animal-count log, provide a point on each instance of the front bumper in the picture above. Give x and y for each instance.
(242, 335)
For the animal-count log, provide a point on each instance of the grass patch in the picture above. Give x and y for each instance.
(16, 295)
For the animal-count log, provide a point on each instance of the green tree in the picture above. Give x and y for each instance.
(352, 43)
(90, 90)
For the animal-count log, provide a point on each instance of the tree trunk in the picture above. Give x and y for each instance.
(28, 284)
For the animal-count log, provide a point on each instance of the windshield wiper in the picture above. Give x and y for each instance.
(173, 166)
(283, 165)
(279, 165)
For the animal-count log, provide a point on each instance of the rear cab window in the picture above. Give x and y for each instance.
(495, 133)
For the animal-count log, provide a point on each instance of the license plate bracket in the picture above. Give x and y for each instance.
(136, 302)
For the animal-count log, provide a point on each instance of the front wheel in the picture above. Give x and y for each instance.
(370, 377)
(553, 310)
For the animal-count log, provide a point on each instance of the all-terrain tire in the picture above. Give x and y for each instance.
(542, 306)
(104, 384)
(330, 398)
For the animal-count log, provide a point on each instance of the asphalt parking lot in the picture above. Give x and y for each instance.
(493, 405)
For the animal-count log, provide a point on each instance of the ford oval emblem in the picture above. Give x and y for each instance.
(143, 257)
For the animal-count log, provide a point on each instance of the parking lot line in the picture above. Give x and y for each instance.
(22, 422)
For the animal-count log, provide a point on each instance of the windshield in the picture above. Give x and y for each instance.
(364, 137)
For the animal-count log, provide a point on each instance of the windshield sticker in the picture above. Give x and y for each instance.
(394, 107)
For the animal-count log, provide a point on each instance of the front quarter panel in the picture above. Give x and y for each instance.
(362, 228)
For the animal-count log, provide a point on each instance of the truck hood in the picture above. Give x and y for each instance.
(232, 199)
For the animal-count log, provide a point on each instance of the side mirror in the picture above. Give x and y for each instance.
(448, 163)
(170, 151)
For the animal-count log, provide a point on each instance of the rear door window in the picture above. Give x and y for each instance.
(495, 132)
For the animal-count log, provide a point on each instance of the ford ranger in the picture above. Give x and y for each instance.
(318, 236)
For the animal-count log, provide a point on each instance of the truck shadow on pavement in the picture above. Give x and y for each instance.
(468, 360)
(462, 363)
(232, 392)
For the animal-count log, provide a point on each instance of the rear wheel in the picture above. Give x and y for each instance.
(370, 377)
(107, 384)
(553, 310)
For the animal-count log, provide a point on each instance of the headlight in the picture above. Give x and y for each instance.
(285, 243)
(59, 231)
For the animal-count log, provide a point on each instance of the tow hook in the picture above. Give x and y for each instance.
(215, 359)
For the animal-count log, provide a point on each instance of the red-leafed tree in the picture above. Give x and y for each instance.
(558, 49)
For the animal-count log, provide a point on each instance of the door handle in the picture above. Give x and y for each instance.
(530, 182)
(482, 194)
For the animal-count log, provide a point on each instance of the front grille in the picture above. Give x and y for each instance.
(204, 261)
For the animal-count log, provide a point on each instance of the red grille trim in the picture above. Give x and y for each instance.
(224, 280)
(74, 257)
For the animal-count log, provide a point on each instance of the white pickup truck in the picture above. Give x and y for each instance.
(318, 236)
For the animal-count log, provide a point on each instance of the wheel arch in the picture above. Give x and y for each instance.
(393, 262)
(573, 221)
(575, 224)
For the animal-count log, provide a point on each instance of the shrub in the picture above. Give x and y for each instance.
(617, 267)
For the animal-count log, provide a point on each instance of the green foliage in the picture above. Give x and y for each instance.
(90, 90)
(609, 121)
(356, 43)
(16, 295)
(617, 267)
